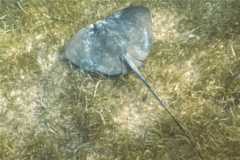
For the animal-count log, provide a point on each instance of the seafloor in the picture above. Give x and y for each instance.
(50, 109)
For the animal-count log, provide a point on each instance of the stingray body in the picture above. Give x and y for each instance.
(115, 45)
(103, 45)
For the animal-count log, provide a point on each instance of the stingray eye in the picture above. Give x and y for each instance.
(94, 27)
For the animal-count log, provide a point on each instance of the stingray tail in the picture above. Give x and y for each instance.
(128, 59)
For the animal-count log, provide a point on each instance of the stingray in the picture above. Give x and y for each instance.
(115, 45)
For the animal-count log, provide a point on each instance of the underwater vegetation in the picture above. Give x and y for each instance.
(51, 109)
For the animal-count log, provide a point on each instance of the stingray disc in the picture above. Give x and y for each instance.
(100, 46)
